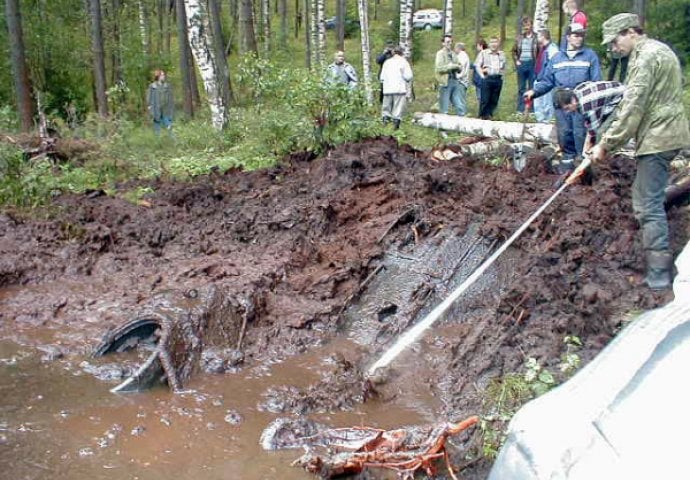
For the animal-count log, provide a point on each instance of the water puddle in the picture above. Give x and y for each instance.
(56, 420)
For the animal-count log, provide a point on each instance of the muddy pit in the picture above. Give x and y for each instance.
(289, 282)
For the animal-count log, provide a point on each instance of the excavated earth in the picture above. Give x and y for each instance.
(304, 241)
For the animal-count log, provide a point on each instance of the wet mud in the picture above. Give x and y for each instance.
(259, 267)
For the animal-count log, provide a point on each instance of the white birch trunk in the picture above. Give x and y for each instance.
(448, 18)
(321, 30)
(406, 7)
(313, 27)
(509, 131)
(362, 6)
(266, 24)
(143, 28)
(541, 15)
(201, 43)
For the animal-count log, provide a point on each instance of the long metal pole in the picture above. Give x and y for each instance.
(415, 332)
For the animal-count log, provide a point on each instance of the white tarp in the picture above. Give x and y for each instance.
(624, 415)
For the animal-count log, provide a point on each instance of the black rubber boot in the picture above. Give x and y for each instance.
(386, 120)
(659, 270)
(396, 123)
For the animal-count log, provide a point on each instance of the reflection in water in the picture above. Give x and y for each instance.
(57, 422)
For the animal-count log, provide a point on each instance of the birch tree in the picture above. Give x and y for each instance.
(313, 37)
(98, 57)
(202, 43)
(448, 17)
(266, 24)
(321, 30)
(20, 72)
(362, 7)
(406, 7)
(542, 10)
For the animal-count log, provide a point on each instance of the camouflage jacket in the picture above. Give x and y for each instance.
(652, 109)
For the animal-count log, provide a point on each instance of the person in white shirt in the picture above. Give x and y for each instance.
(396, 75)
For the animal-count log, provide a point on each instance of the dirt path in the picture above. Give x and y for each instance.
(300, 239)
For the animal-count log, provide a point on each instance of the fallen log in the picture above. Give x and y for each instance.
(510, 131)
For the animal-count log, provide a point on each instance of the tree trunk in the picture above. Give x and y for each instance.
(321, 31)
(520, 13)
(144, 29)
(503, 4)
(202, 43)
(219, 51)
(406, 27)
(479, 20)
(340, 15)
(363, 7)
(266, 24)
(185, 72)
(298, 18)
(640, 10)
(448, 18)
(20, 72)
(313, 37)
(283, 12)
(542, 10)
(308, 33)
(247, 36)
(116, 52)
(98, 57)
(510, 131)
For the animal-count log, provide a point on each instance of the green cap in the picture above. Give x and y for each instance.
(616, 24)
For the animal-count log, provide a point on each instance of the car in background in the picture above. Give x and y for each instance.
(427, 19)
(332, 22)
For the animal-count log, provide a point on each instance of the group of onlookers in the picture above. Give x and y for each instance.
(593, 117)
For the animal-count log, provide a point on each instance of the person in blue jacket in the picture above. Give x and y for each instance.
(568, 69)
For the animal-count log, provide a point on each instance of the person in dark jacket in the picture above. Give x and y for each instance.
(381, 59)
(568, 69)
(524, 57)
(159, 101)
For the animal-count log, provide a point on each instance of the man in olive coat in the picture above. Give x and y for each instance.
(652, 113)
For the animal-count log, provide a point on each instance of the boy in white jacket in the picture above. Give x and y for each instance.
(396, 75)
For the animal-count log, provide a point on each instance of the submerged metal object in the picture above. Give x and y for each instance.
(180, 325)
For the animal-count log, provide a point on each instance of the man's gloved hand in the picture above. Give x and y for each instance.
(580, 170)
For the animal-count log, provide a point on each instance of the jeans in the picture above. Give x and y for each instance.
(456, 93)
(525, 76)
(571, 133)
(648, 195)
(165, 122)
(543, 108)
(491, 92)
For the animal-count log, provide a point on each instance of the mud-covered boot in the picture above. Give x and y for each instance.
(659, 270)
(396, 123)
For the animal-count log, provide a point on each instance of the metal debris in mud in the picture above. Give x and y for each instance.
(186, 331)
(331, 452)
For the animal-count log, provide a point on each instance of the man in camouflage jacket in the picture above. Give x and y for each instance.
(652, 113)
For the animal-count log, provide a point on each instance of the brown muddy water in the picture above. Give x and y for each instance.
(58, 422)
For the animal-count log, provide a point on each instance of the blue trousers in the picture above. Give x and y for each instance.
(648, 195)
(454, 93)
(165, 122)
(525, 77)
(571, 133)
